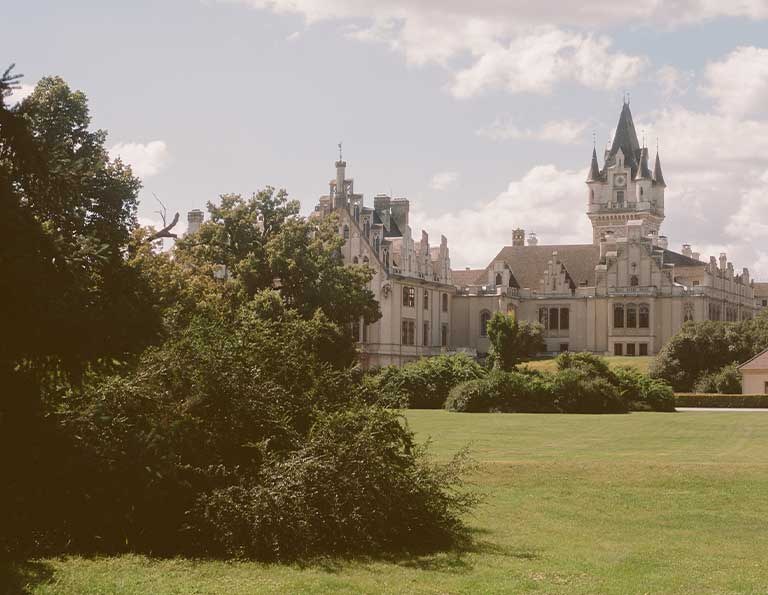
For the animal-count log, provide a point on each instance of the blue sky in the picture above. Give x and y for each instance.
(481, 113)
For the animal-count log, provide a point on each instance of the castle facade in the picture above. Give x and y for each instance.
(625, 293)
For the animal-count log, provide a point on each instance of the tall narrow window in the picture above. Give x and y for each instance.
(444, 335)
(345, 232)
(485, 316)
(408, 332)
(620, 197)
(554, 319)
(425, 300)
(618, 316)
(445, 302)
(565, 319)
(631, 316)
(499, 280)
(425, 335)
(409, 296)
(645, 316)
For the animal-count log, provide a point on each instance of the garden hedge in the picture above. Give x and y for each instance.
(717, 400)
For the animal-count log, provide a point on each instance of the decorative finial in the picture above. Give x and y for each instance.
(627, 97)
(340, 157)
(594, 139)
(644, 138)
(657, 144)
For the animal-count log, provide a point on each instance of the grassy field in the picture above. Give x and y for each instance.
(639, 503)
(641, 363)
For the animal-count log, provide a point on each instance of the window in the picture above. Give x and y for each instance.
(563, 347)
(365, 260)
(554, 319)
(620, 197)
(499, 280)
(765, 388)
(618, 316)
(355, 260)
(425, 300)
(367, 228)
(444, 335)
(565, 319)
(688, 312)
(634, 281)
(643, 348)
(645, 316)
(641, 191)
(544, 317)
(765, 302)
(356, 331)
(631, 316)
(408, 332)
(631, 349)
(425, 335)
(445, 302)
(485, 316)
(618, 349)
(409, 296)
(345, 232)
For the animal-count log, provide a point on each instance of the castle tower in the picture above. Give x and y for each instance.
(625, 189)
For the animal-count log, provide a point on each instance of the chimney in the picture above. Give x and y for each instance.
(696, 256)
(532, 239)
(194, 221)
(687, 251)
(723, 261)
(663, 242)
(518, 237)
(399, 208)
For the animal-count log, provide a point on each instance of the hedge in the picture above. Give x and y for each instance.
(717, 400)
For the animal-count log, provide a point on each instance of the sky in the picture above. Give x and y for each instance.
(482, 113)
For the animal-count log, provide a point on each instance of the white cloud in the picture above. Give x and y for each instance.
(19, 94)
(546, 200)
(673, 81)
(536, 63)
(443, 180)
(556, 131)
(145, 159)
(739, 83)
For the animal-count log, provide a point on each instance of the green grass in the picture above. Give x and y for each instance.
(639, 503)
(614, 361)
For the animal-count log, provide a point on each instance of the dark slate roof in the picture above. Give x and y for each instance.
(594, 168)
(626, 140)
(392, 232)
(680, 260)
(528, 263)
(658, 177)
(465, 277)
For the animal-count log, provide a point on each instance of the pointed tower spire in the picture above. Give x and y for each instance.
(594, 168)
(643, 171)
(658, 177)
(625, 139)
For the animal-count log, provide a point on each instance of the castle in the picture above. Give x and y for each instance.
(626, 293)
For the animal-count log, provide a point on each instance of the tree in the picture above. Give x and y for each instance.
(513, 342)
(264, 244)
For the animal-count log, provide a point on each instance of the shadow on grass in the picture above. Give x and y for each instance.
(21, 577)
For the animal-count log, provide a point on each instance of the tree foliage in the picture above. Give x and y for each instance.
(512, 341)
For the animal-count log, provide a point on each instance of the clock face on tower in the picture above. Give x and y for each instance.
(619, 180)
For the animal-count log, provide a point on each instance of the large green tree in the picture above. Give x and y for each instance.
(512, 341)
(262, 243)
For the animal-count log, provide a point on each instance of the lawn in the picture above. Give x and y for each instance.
(614, 361)
(639, 503)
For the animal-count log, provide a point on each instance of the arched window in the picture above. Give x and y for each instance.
(634, 281)
(365, 260)
(618, 316)
(499, 279)
(376, 244)
(631, 316)
(345, 232)
(485, 316)
(445, 302)
(355, 260)
(367, 228)
(645, 316)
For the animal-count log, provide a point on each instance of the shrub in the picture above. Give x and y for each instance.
(590, 363)
(718, 400)
(423, 384)
(358, 485)
(643, 393)
(513, 341)
(576, 391)
(473, 396)
(726, 380)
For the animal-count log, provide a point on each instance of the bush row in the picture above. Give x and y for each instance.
(583, 383)
(718, 400)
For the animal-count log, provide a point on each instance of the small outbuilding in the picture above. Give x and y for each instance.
(754, 375)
